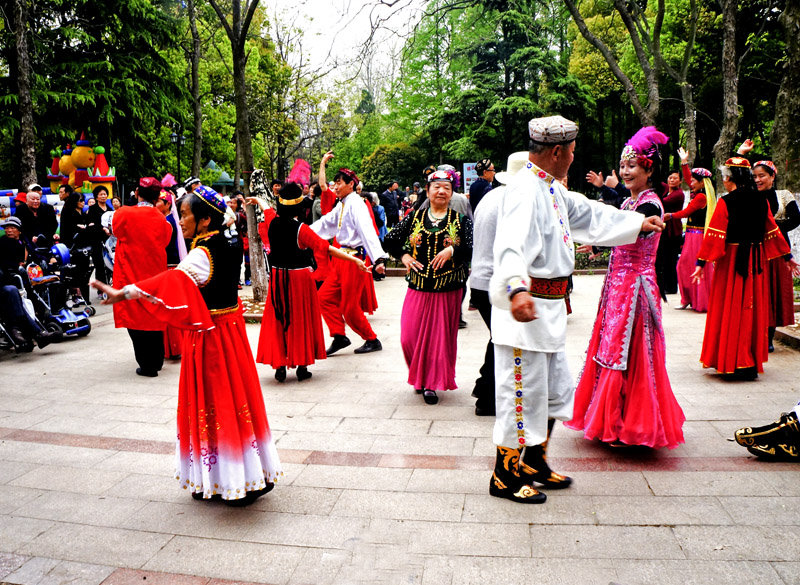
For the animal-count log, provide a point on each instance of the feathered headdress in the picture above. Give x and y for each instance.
(643, 146)
(300, 173)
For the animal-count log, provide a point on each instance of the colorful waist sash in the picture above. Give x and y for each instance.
(549, 288)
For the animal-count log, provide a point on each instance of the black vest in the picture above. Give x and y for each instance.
(284, 252)
(222, 289)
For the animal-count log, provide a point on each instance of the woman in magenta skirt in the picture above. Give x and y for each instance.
(435, 245)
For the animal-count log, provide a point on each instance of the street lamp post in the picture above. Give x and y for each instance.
(178, 140)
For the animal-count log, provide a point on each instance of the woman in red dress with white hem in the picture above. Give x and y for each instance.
(742, 237)
(225, 448)
(291, 328)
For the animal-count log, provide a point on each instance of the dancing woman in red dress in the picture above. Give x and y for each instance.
(225, 448)
(291, 328)
(741, 238)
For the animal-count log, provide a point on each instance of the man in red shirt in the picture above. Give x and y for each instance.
(142, 237)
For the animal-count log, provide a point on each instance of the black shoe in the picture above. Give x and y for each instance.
(280, 374)
(250, 497)
(506, 482)
(462, 324)
(369, 346)
(141, 372)
(771, 347)
(302, 373)
(742, 375)
(429, 396)
(45, 338)
(22, 343)
(419, 390)
(778, 441)
(339, 342)
(484, 410)
(534, 468)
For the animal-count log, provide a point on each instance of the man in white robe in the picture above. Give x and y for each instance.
(534, 255)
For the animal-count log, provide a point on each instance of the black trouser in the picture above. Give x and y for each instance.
(13, 311)
(99, 263)
(669, 248)
(148, 347)
(484, 385)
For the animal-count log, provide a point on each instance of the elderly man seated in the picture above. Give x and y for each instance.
(21, 326)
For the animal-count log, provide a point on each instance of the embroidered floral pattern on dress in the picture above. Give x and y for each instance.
(518, 396)
(565, 235)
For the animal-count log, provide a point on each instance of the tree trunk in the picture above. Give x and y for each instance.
(724, 147)
(689, 121)
(197, 135)
(27, 141)
(785, 131)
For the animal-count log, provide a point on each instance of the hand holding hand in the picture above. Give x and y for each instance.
(584, 249)
(363, 267)
(523, 308)
(652, 224)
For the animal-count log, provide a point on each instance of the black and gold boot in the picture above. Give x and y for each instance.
(506, 481)
(534, 468)
(778, 441)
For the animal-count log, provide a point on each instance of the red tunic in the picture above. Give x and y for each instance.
(142, 236)
(302, 341)
(736, 327)
(327, 201)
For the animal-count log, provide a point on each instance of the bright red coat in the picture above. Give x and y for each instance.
(142, 237)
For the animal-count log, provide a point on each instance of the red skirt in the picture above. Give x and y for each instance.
(781, 293)
(224, 442)
(696, 295)
(635, 406)
(302, 342)
(173, 340)
(738, 317)
(429, 338)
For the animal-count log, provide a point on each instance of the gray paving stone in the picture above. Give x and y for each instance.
(69, 479)
(81, 508)
(709, 483)
(244, 561)
(765, 511)
(305, 530)
(13, 497)
(636, 572)
(98, 545)
(41, 571)
(357, 478)
(326, 442)
(745, 543)
(560, 508)
(660, 511)
(449, 538)
(605, 542)
(789, 572)
(43, 454)
(430, 506)
(11, 470)
(320, 566)
(481, 570)
(785, 483)
(385, 427)
(16, 531)
(195, 518)
(10, 562)
(423, 445)
(298, 500)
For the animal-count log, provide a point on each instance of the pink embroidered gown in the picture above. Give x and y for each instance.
(624, 393)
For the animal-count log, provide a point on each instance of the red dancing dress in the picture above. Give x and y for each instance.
(624, 392)
(225, 446)
(741, 238)
(781, 287)
(291, 328)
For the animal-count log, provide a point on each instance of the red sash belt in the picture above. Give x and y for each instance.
(549, 288)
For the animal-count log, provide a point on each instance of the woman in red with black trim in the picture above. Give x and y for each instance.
(742, 237)
(225, 448)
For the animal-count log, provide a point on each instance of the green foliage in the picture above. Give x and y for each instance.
(392, 162)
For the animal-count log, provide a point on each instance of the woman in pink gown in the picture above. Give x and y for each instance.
(624, 396)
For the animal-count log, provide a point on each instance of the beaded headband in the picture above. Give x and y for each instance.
(211, 198)
(351, 174)
(701, 172)
(769, 164)
(738, 161)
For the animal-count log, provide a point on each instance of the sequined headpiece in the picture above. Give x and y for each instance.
(441, 176)
(643, 147)
(737, 162)
(701, 173)
(769, 164)
(212, 198)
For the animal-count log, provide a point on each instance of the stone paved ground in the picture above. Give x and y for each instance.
(379, 487)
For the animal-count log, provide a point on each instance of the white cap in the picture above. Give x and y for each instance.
(34, 187)
(516, 162)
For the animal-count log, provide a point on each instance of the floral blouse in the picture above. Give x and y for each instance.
(423, 237)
